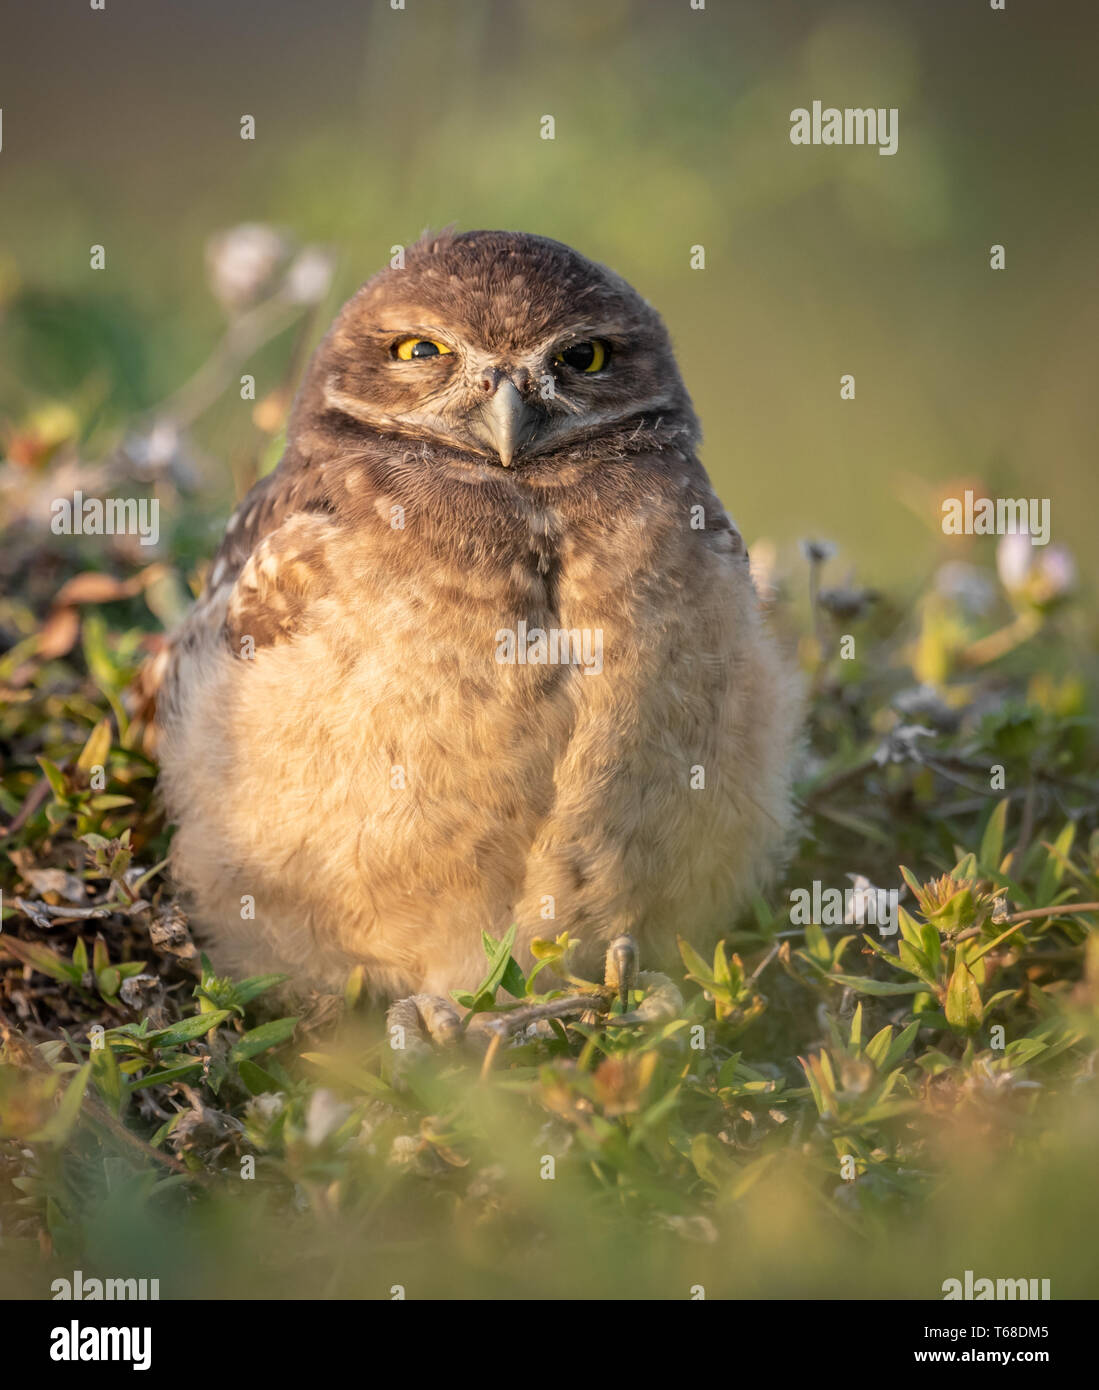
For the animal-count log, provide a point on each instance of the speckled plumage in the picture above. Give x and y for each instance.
(338, 739)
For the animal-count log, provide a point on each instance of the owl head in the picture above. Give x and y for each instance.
(498, 347)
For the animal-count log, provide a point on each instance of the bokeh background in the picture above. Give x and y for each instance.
(122, 128)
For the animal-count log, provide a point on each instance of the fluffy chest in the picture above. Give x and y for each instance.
(513, 610)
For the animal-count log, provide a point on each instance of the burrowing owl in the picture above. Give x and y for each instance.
(483, 649)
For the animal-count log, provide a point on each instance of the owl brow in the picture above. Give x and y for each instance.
(610, 336)
(410, 330)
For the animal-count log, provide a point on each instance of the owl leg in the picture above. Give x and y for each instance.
(662, 1001)
(621, 975)
(422, 1019)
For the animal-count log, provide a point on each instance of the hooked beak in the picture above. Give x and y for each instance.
(506, 422)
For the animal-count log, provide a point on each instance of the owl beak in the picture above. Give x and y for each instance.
(506, 422)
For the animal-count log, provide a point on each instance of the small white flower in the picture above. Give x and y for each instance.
(1038, 573)
(323, 1117)
(698, 1229)
(266, 1107)
(901, 745)
(816, 552)
(243, 262)
(309, 276)
(864, 900)
(1013, 561)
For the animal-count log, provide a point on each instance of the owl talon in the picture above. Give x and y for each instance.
(489, 1027)
(419, 1021)
(661, 1004)
(413, 1024)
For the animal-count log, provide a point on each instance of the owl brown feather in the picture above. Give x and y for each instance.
(340, 740)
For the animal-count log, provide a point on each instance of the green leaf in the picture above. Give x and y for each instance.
(877, 1049)
(108, 981)
(140, 883)
(165, 1129)
(991, 852)
(55, 777)
(261, 1038)
(499, 953)
(695, 965)
(722, 974)
(541, 949)
(355, 1076)
(188, 1029)
(988, 945)
(858, 824)
(910, 930)
(40, 957)
(887, 1110)
(255, 1078)
(1053, 869)
(109, 802)
(963, 996)
(108, 1078)
(1024, 1050)
(915, 962)
(59, 1126)
(512, 979)
(100, 958)
(900, 1045)
(158, 1078)
(254, 986)
(712, 1162)
(932, 946)
(876, 987)
(816, 943)
(97, 749)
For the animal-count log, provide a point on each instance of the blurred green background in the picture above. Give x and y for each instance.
(122, 128)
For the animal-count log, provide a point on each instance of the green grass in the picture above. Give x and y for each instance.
(835, 1113)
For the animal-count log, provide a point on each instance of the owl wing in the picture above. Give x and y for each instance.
(270, 566)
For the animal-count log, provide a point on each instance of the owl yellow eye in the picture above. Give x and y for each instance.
(584, 357)
(409, 348)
